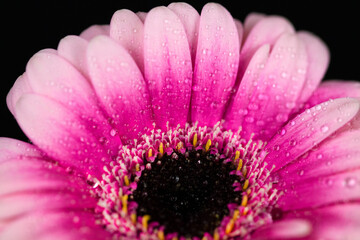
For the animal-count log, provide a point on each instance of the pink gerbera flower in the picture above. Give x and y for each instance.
(175, 125)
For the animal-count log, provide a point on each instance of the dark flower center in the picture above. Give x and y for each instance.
(187, 193)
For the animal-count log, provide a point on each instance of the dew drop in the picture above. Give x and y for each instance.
(324, 128)
(301, 172)
(249, 119)
(350, 182)
(113, 132)
(319, 156)
(283, 132)
(276, 147)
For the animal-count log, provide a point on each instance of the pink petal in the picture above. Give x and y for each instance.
(61, 133)
(238, 109)
(189, 17)
(19, 204)
(54, 77)
(30, 174)
(340, 221)
(240, 30)
(20, 87)
(30, 183)
(285, 229)
(330, 157)
(49, 225)
(120, 86)
(127, 28)
(24, 169)
(334, 89)
(168, 70)
(142, 15)
(309, 129)
(216, 64)
(318, 61)
(12, 148)
(94, 31)
(250, 21)
(320, 191)
(73, 49)
(264, 30)
(277, 89)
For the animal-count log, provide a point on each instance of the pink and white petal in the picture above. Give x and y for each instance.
(334, 89)
(168, 69)
(142, 16)
(127, 29)
(73, 49)
(47, 225)
(22, 203)
(330, 157)
(240, 30)
(61, 133)
(95, 30)
(216, 64)
(238, 108)
(29, 183)
(189, 17)
(12, 148)
(265, 30)
(20, 87)
(340, 221)
(250, 21)
(319, 190)
(120, 87)
(52, 76)
(30, 174)
(278, 88)
(308, 129)
(318, 61)
(284, 229)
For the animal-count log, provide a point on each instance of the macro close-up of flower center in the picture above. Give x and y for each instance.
(175, 124)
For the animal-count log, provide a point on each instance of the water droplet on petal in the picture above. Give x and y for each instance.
(113, 132)
(282, 132)
(324, 128)
(350, 182)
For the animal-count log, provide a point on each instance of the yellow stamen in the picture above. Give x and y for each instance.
(126, 180)
(216, 235)
(230, 226)
(236, 214)
(124, 201)
(133, 218)
(195, 140)
(237, 155)
(145, 220)
(137, 167)
(208, 144)
(161, 149)
(161, 235)
(174, 238)
(248, 191)
(244, 171)
(150, 153)
(204, 238)
(246, 209)
(246, 184)
(239, 165)
(244, 201)
(179, 146)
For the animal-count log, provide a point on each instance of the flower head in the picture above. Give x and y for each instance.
(175, 125)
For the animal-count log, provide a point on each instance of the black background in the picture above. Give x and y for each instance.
(29, 26)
